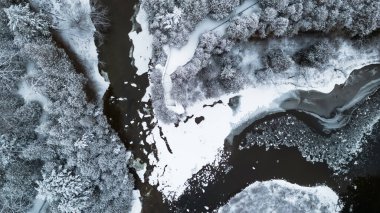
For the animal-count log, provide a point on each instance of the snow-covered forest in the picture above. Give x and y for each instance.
(57, 149)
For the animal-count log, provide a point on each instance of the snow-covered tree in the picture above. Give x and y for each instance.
(220, 9)
(316, 55)
(69, 191)
(252, 22)
(158, 7)
(238, 28)
(358, 18)
(208, 41)
(279, 5)
(169, 20)
(195, 11)
(84, 141)
(277, 60)
(294, 11)
(268, 15)
(23, 21)
(230, 76)
(224, 45)
(279, 26)
(228, 72)
(17, 190)
(8, 150)
(11, 66)
(72, 15)
(70, 123)
(365, 18)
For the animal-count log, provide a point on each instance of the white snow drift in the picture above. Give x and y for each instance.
(281, 196)
(142, 43)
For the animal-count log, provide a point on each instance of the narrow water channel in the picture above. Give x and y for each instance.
(122, 101)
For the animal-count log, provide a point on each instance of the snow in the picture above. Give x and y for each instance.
(280, 195)
(28, 92)
(142, 43)
(140, 168)
(39, 206)
(136, 202)
(193, 146)
(80, 39)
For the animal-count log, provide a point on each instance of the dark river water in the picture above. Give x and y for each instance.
(240, 167)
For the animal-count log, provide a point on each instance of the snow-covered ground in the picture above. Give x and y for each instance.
(136, 202)
(142, 43)
(282, 196)
(28, 92)
(39, 206)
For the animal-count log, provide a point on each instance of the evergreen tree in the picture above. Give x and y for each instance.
(22, 21)
(69, 191)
